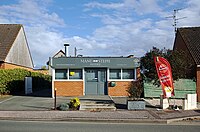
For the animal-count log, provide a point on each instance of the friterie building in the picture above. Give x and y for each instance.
(78, 76)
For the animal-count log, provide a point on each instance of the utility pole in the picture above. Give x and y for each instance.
(75, 51)
(175, 19)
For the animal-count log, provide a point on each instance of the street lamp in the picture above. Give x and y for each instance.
(66, 49)
(75, 51)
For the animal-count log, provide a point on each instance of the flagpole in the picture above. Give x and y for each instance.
(174, 102)
(164, 72)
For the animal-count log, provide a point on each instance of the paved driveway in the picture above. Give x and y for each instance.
(40, 100)
(30, 103)
(34, 103)
(26, 103)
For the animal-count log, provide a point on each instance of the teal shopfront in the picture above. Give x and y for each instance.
(76, 76)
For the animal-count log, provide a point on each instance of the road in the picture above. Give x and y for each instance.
(56, 126)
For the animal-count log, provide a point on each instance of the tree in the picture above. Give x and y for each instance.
(43, 68)
(182, 66)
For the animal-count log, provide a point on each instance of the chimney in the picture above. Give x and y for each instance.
(66, 49)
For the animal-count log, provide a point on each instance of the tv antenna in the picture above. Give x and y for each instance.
(175, 19)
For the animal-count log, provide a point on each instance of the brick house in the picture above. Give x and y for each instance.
(14, 50)
(188, 40)
(78, 76)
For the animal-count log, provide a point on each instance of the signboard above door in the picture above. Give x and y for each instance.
(108, 62)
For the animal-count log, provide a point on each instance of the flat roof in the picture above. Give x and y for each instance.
(94, 62)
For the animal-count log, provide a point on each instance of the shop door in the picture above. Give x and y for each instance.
(95, 82)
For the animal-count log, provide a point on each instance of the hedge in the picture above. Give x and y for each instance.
(12, 80)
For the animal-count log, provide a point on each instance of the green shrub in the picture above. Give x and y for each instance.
(40, 81)
(12, 80)
(4, 91)
(64, 107)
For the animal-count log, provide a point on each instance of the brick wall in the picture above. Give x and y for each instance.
(119, 89)
(69, 88)
(1, 65)
(12, 66)
(198, 84)
(138, 76)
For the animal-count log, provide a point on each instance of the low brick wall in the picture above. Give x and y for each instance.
(69, 88)
(119, 89)
(13, 66)
(75, 88)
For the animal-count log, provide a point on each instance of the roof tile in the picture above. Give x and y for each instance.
(191, 37)
(8, 34)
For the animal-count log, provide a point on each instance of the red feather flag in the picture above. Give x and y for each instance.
(164, 72)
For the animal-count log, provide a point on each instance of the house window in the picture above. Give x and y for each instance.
(122, 74)
(128, 74)
(75, 74)
(60, 74)
(115, 74)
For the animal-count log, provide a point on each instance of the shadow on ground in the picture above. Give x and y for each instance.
(197, 111)
(37, 93)
(120, 102)
(121, 106)
(42, 93)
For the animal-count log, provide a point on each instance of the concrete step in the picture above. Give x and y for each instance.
(97, 106)
(97, 102)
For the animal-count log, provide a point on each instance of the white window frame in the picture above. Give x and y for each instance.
(55, 75)
(121, 79)
(68, 80)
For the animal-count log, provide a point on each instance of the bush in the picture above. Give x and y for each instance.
(64, 107)
(74, 103)
(4, 91)
(40, 81)
(12, 80)
(135, 90)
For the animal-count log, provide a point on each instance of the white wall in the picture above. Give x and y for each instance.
(19, 53)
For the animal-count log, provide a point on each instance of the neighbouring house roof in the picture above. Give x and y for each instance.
(191, 37)
(14, 47)
(8, 34)
(59, 54)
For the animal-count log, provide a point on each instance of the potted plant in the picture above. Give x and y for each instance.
(134, 102)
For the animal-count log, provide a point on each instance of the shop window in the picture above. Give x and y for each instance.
(115, 74)
(60, 74)
(128, 74)
(122, 74)
(75, 74)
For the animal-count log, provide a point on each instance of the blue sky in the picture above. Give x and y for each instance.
(99, 27)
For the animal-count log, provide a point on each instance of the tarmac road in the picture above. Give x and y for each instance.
(57, 126)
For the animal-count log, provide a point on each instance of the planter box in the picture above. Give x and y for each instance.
(136, 105)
